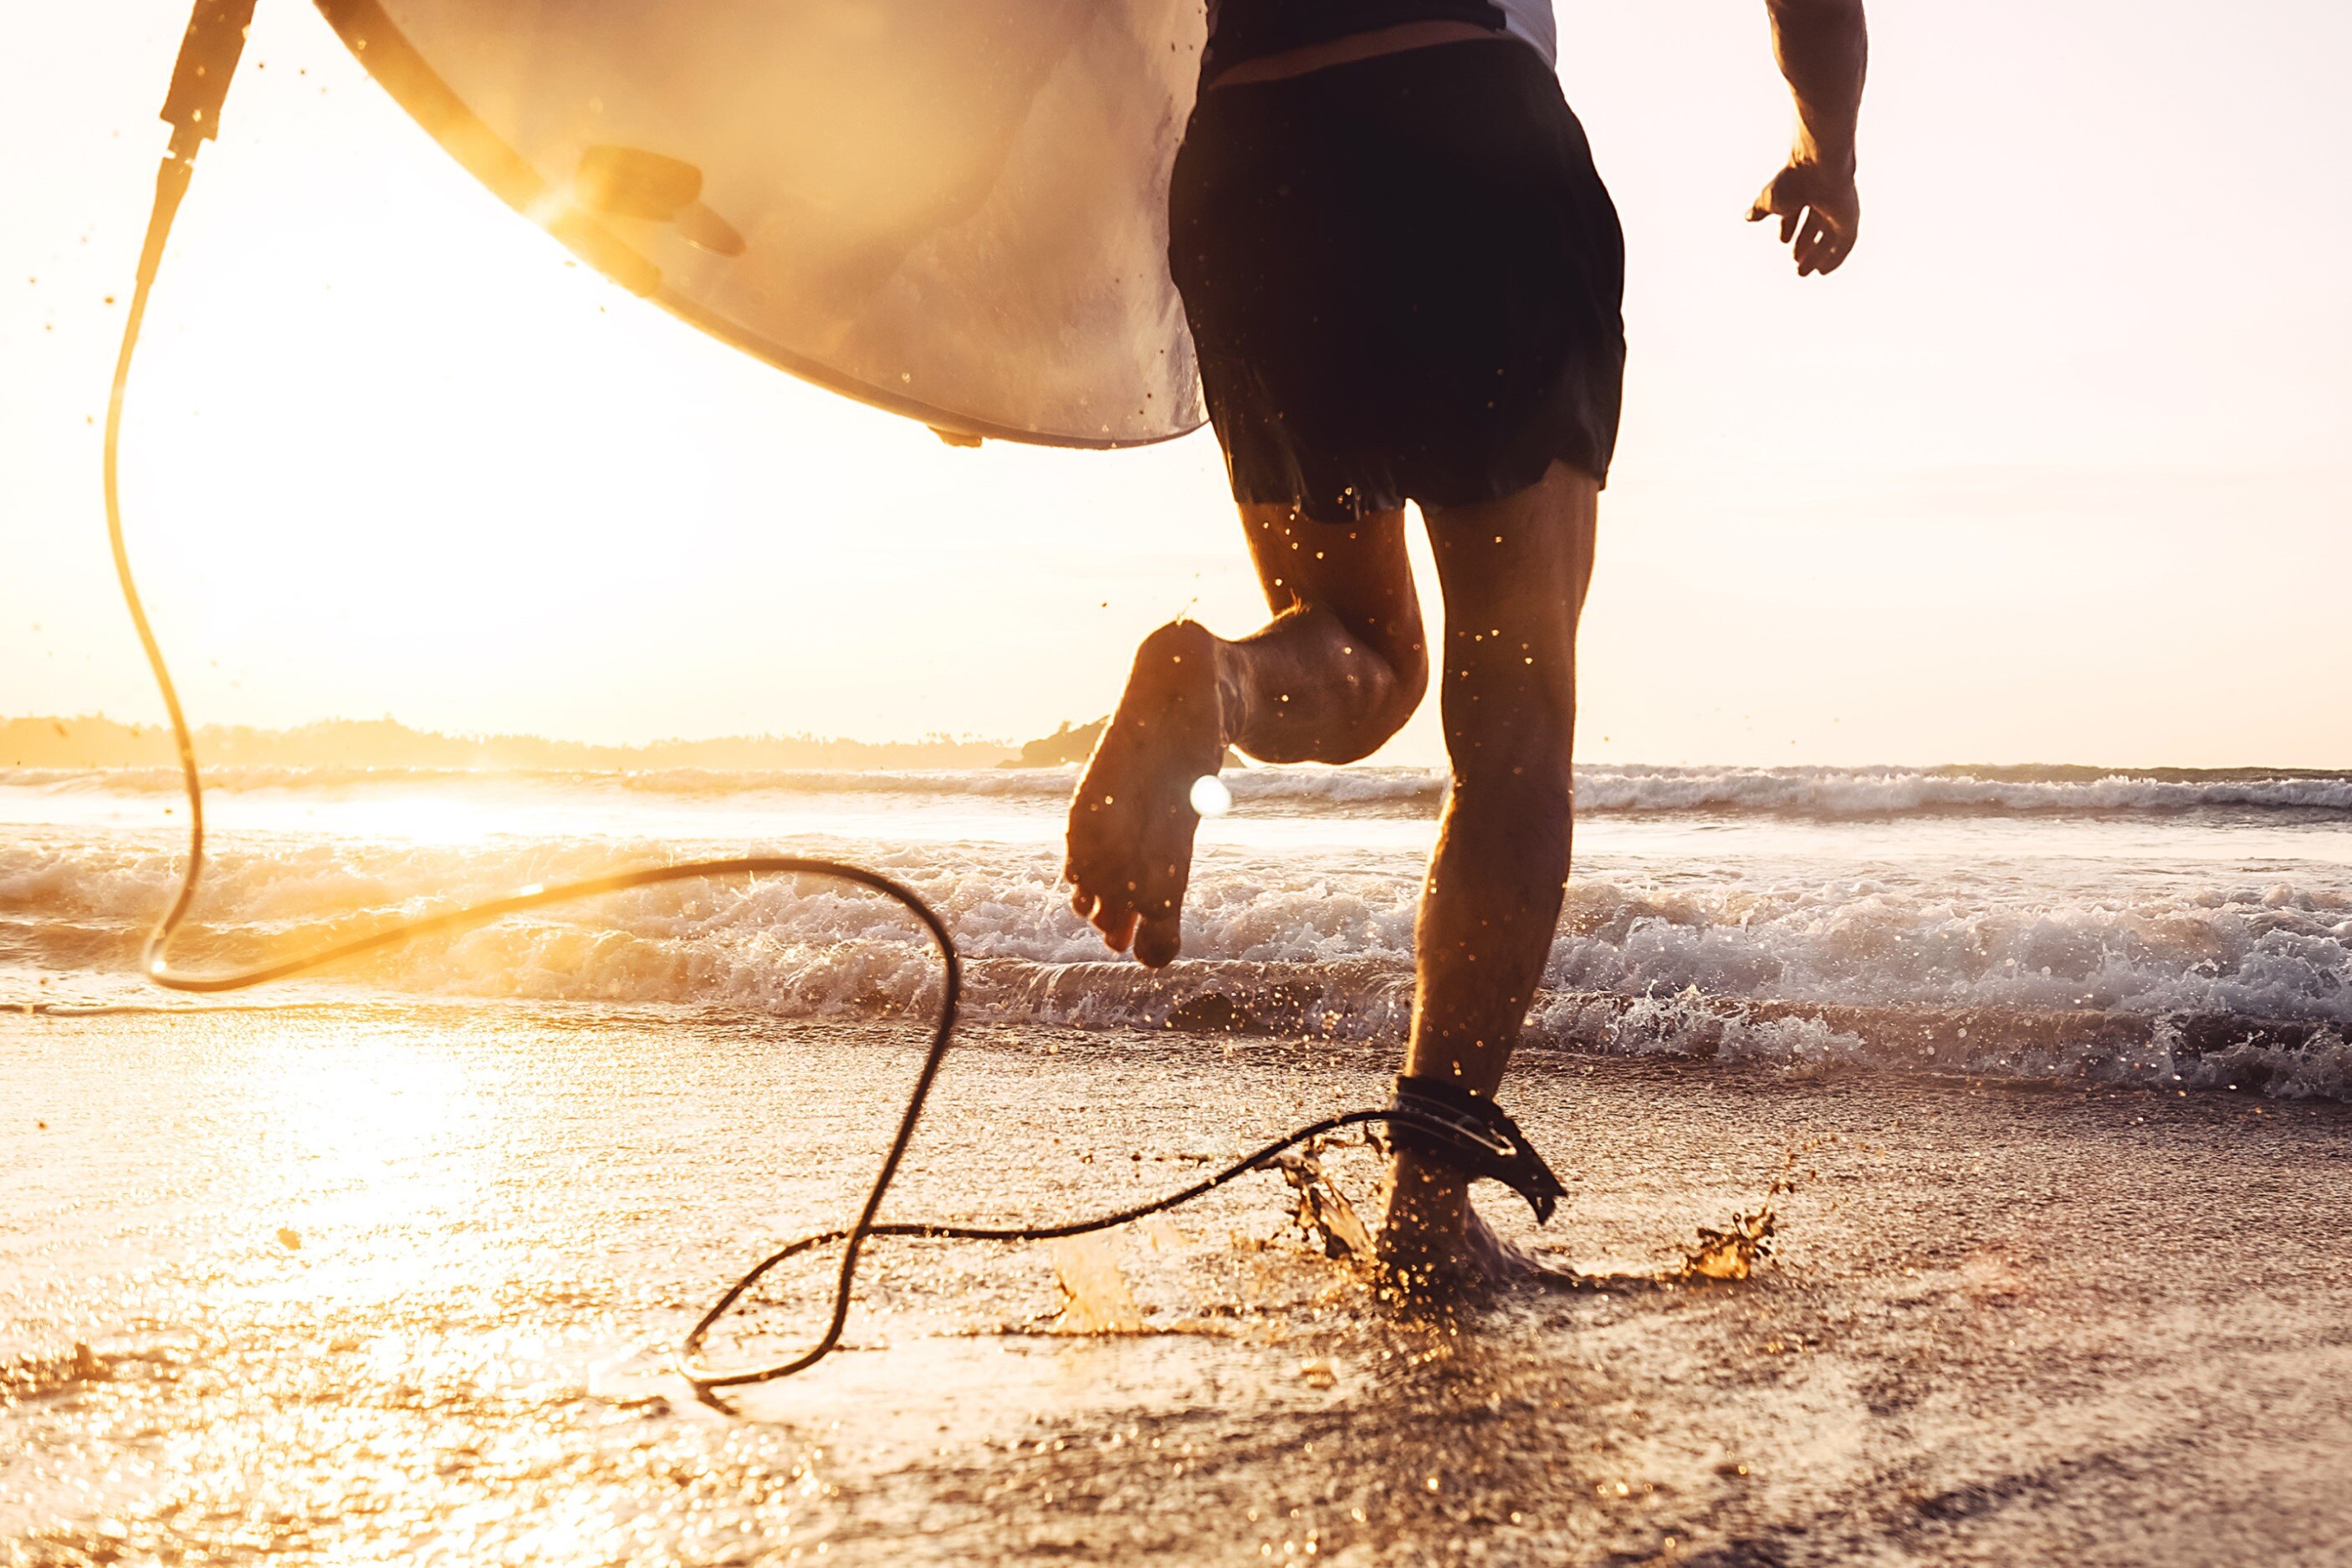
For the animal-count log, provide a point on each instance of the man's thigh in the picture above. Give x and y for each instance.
(1514, 573)
(1527, 558)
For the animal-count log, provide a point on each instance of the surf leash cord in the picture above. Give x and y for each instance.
(1479, 1137)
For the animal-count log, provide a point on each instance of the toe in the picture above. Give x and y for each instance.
(1117, 928)
(1158, 940)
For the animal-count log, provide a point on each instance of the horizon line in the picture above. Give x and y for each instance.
(60, 736)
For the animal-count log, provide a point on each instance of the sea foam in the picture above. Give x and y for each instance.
(2157, 985)
(1826, 793)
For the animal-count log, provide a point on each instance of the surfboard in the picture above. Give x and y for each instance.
(955, 210)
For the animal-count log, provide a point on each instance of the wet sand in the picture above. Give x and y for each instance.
(392, 1283)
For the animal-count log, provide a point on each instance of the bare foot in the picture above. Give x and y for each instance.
(1131, 822)
(1436, 1250)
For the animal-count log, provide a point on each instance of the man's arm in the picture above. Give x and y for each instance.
(1823, 47)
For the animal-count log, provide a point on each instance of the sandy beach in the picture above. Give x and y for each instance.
(400, 1284)
(1864, 743)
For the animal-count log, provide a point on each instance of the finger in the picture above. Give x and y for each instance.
(1837, 244)
(1117, 930)
(1770, 200)
(1788, 221)
(1808, 247)
(1158, 941)
(1823, 243)
(1837, 247)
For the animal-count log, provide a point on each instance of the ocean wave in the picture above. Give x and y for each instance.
(1806, 970)
(1850, 793)
(2280, 1059)
(1831, 793)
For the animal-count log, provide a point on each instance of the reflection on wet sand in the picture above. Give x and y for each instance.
(506, 1218)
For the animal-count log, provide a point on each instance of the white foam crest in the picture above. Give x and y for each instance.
(1004, 900)
(2267, 950)
(2270, 951)
(2127, 1049)
(1844, 793)
(1300, 944)
(2321, 1070)
(1828, 793)
(1689, 1023)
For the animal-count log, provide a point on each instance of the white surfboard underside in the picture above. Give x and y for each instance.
(953, 209)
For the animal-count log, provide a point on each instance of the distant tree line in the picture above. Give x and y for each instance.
(92, 741)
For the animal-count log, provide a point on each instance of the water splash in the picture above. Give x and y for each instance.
(1324, 1216)
(1734, 1252)
(1096, 1298)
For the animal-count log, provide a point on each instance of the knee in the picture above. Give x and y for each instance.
(1536, 778)
(1367, 684)
(1387, 684)
(1170, 646)
(1511, 707)
(1406, 663)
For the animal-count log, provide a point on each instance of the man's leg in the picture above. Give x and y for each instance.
(1514, 573)
(1337, 672)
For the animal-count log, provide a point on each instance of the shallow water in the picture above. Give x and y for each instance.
(390, 1281)
(389, 1265)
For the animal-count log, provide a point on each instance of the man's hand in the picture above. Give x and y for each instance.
(1823, 47)
(1820, 213)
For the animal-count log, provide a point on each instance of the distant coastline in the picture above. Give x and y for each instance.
(90, 740)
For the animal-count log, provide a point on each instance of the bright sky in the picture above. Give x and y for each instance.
(2056, 469)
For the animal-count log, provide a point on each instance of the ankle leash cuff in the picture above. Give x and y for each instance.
(1441, 1120)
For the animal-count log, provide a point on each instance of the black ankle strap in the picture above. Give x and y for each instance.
(1438, 1118)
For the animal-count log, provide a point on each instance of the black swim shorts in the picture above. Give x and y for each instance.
(1404, 280)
